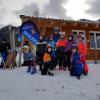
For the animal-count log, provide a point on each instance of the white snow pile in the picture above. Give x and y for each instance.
(17, 84)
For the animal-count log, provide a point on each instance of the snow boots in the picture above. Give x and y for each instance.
(31, 70)
(50, 73)
(46, 71)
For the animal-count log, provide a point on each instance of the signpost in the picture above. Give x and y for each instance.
(12, 38)
(95, 61)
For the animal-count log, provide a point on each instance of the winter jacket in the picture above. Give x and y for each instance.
(77, 65)
(41, 48)
(5, 47)
(47, 57)
(82, 48)
(69, 45)
(29, 56)
(56, 38)
(61, 43)
(75, 58)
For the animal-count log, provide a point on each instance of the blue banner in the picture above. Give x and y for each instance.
(30, 31)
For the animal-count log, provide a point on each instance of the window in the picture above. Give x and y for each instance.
(98, 40)
(76, 33)
(94, 40)
(56, 29)
(75, 36)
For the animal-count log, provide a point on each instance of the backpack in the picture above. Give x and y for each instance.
(85, 69)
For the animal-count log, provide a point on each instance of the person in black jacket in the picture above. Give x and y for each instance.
(4, 49)
(41, 48)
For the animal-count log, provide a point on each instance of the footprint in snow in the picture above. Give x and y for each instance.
(38, 90)
(63, 87)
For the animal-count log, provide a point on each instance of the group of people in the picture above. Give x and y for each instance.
(57, 50)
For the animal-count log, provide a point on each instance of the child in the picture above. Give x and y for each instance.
(77, 65)
(47, 59)
(41, 48)
(68, 51)
(82, 48)
(61, 45)
(53, 46)
(29, 59)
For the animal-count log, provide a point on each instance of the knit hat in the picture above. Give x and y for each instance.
(74, 46)
(25, 47)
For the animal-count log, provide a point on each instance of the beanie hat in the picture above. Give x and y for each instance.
(74, 46)
(25, 47)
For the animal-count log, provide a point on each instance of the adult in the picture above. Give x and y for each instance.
(56, 36)
(4, 49)
(68, 51)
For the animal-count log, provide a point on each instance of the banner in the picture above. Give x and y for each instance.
(30, 31)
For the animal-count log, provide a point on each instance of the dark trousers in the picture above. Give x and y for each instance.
(67, 59)
(47, 67)
(29, 63)
(40, 65)
(40, 60)
(61, 59)
(4, 56)
(54, 62)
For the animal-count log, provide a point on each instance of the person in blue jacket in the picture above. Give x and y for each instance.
(29, 60)
(56, 36)
(77, 65)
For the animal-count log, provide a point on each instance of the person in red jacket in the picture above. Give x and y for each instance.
(61, 45)
(82, 47)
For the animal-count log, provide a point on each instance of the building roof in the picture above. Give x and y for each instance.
(64, 20)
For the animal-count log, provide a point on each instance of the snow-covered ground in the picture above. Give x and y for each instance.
(16, 84)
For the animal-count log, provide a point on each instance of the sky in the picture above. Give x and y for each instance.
(10, 10)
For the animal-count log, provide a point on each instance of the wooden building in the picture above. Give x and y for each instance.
(90, 29)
